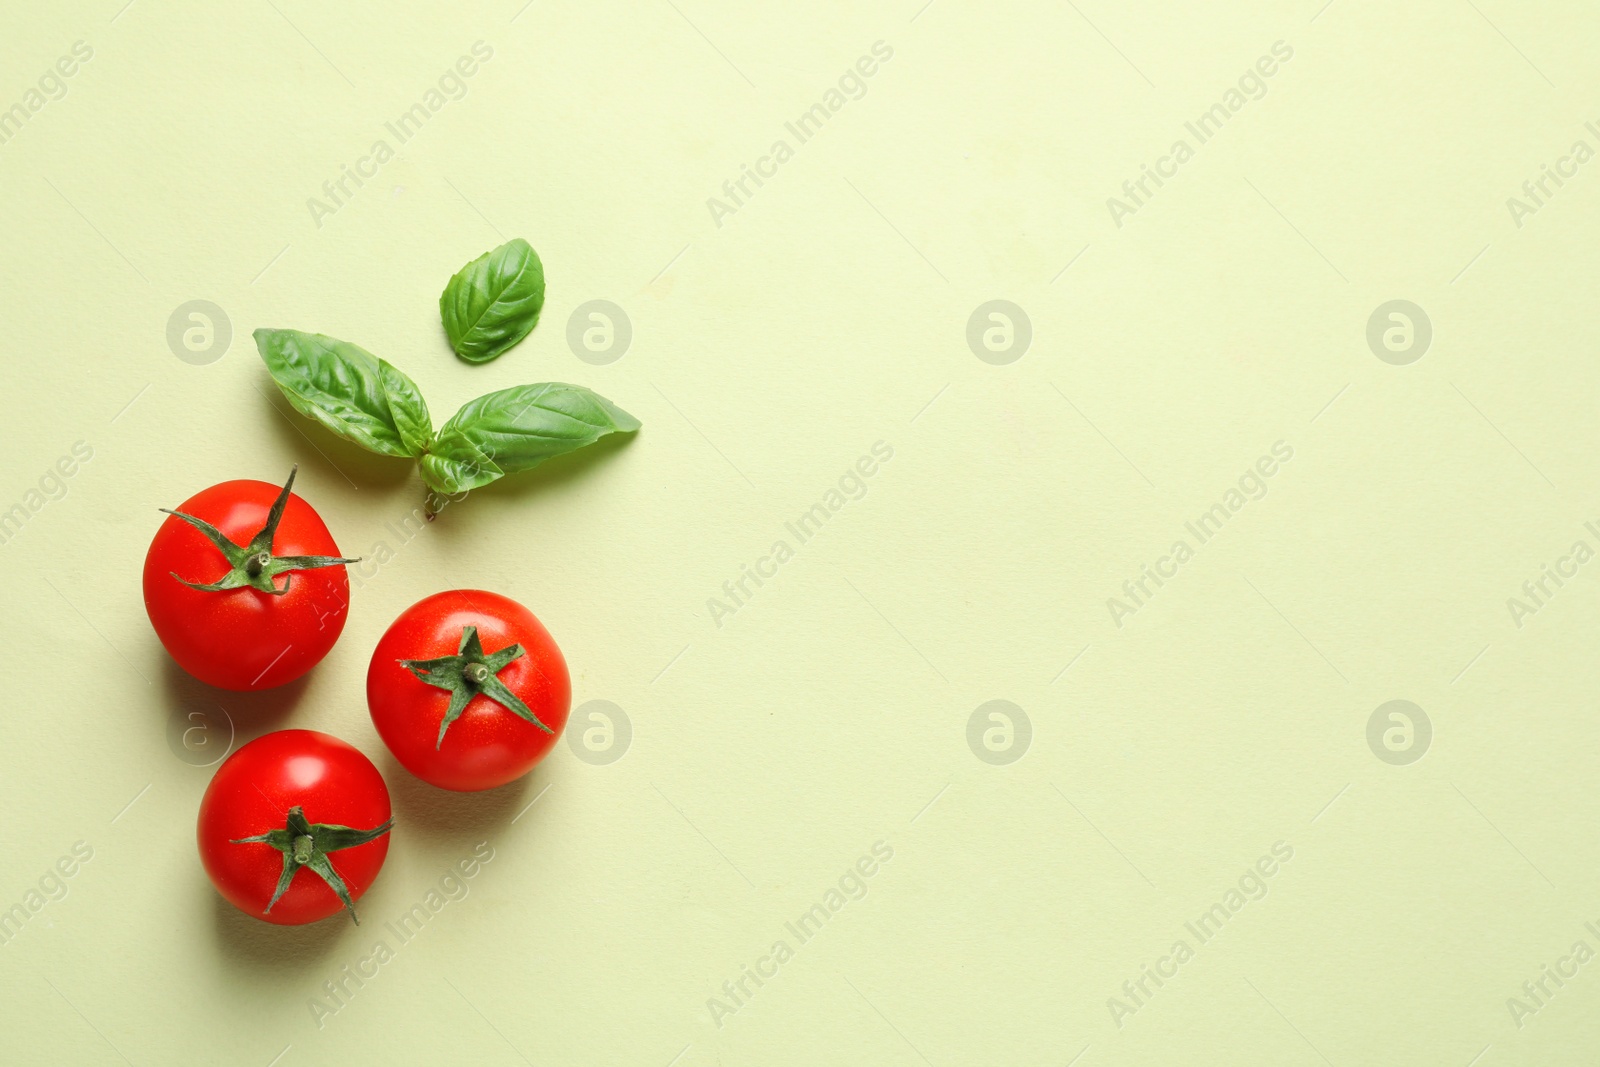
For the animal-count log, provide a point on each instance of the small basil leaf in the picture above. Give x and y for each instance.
(519, 428)
(410, 411)
(453, 464)
(346, 389)
(493, 302)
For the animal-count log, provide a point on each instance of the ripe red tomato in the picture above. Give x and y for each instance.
(468, 690)
(287, 800)
(244, 587)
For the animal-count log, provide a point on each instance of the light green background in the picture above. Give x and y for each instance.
(829, 313)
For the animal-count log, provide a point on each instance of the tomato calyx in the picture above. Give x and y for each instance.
(471, 673)
(307, 844)
(254, 565)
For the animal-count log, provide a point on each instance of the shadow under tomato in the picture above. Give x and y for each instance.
(193, 721)
(433, 815)
(262, 948)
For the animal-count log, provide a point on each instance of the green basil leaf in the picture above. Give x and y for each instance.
(517, 429)
(493, 302)
(348, 390)
(454, 465)
(409, 410)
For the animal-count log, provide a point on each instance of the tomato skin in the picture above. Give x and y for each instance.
(244, 639)
(487, 746)
(252, 793)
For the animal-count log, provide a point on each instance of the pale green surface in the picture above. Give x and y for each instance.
(768, 354)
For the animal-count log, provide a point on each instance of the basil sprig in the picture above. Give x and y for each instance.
(493, 302)
(369, 402)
